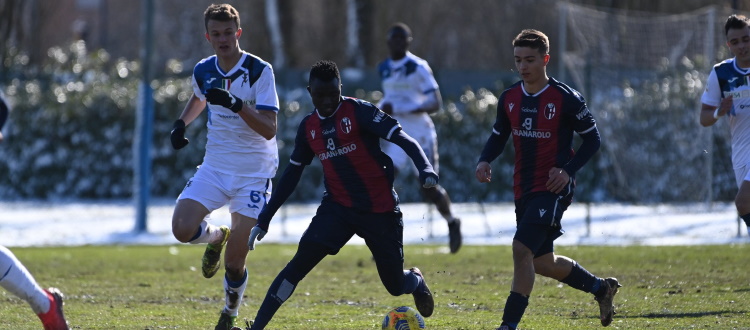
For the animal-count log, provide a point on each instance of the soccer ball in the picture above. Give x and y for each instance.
(403, 318)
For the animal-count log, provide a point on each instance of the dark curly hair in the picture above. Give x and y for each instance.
(324, 70)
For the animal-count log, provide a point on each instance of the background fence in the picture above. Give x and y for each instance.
(71, 129)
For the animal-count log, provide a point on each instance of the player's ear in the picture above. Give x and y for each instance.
(546, 59)
(207, 37)
(238, 33)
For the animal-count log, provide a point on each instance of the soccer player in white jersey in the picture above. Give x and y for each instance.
(47, 304)
(411, 94)
(728, 94)
(241, 153)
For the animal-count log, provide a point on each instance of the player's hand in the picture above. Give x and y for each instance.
(483, 172)
(257, 233)
(387, 108)
(224, 98)
(725, 105)
(428, 178)
(558, 179)
(178, 135)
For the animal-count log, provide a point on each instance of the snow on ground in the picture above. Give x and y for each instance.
(34, 223)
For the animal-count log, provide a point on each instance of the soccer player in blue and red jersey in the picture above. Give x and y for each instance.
(728, 94)
(542, 114)
(344, 134)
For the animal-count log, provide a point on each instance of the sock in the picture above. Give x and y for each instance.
(281, 289)
(515, 306)
(206, 233)
(746, 218)
(15, 278)
(234, 292)
(411, 281)
(580, 278)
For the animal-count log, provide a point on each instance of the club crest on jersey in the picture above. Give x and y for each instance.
(549, 111)
(346, 125)
(510, 106)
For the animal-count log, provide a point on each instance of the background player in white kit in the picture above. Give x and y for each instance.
(410, 94)
(728, 93)
(241, 153)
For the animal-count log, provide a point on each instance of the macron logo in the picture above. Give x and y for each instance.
(542, 212)
(510, 106)
(312, 133)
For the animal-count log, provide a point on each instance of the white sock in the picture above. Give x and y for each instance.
(232, 308)
(15, 278)
(209, 233)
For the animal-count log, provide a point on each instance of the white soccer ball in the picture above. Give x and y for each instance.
(403, 318)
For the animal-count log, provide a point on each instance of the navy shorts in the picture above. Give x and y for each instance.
(538, 218)
(334, 225)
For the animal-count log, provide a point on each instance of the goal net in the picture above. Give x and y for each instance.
(643, 75)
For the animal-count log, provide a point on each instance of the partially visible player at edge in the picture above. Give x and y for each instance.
(14, 277)
(541, 114)
(728, 94)
(410, 95)
(241, 153)
(344, 134)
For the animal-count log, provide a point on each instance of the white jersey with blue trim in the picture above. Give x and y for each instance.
(232, 147)
(725, 79)
(406, 83)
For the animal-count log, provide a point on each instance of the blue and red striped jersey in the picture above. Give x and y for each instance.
(356, 172)
(542, 127)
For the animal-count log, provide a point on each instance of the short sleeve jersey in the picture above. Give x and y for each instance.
(356, 172)
(725, 79)
(542, 127)
(406, 83)
(232, 147)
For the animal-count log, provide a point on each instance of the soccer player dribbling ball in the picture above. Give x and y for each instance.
(542, 114)
(344, 134)
(241, 153)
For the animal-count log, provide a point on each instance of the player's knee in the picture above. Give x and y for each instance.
(181, 234)
(234, 272)
(521, 252)
(742, 202)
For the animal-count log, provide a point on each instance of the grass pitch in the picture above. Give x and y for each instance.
(160, 287)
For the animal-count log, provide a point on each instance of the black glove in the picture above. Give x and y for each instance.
(178, 135)
(224, 98)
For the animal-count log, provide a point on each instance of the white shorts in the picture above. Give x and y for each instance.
(426, 138)
(742, 174)
(245, 195)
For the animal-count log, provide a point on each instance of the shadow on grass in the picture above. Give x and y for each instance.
(680, 315)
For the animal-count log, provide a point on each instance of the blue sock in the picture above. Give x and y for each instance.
(411, 281)
(515, 306)
(580, 278)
